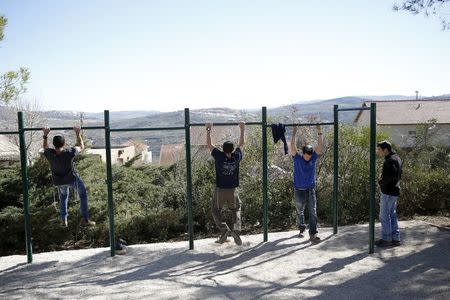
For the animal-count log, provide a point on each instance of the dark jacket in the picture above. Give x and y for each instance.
(278, 133)
(392, 173)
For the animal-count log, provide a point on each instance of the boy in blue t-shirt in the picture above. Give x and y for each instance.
(305, 183)
(227, 182)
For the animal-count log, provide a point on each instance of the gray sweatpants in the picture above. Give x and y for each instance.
(231, 198)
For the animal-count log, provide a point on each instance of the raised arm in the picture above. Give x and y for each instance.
(241, 138)
(45, 132)
(80, 142)
(208, 137)
(319, 140)
(293, 149)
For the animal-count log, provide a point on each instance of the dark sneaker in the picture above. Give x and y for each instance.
(236, 237)
(314, 238)
(64, 223)
(120, 248)
(382, 243)
(395, 243)
(87, 223)
(223, 238)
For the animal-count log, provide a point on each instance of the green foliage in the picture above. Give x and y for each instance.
(12, 230)
(3, 22)
(12, 83)
(424, 191)
(10, 186)
(354, 174)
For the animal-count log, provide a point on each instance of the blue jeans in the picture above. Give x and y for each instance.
(301, 198)
(388, 218)
(79, 187)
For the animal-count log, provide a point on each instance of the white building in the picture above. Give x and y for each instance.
(122, 154)
(401, 118)
(9, 152)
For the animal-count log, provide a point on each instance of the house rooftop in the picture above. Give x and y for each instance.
(403, 112)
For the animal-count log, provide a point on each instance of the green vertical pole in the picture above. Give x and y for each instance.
(334, 206)
(112, 241)
(26, 202)
(264, 169)
(373, 136)
(187, 126)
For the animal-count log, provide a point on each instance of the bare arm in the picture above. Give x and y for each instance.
(293, 149)
(80, 142)
(241, 138)
(208, 137)
(320, 140)
(45, 132)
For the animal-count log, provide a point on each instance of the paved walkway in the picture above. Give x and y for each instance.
(286, 267)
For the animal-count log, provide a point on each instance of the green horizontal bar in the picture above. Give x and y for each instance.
(226, 124)
(307, 124)
(146, 129)
(65, 128)
(9, 132)
(353, 108)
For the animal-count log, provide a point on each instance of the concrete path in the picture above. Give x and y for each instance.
(286, 267)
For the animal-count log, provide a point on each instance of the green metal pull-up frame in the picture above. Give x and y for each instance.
(372, 162)
(187, 125)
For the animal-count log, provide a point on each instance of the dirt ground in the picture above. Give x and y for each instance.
(440, 221)
(284, 267)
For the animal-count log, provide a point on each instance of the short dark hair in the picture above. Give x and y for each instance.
(58, 141)
(228, 147)
(308, 149)
(385, 145)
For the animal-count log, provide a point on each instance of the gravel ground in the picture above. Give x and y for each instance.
(285, 267)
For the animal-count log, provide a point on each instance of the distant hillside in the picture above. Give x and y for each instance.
(176, 118)
(322, 108)
(446, 96)
(122, 114)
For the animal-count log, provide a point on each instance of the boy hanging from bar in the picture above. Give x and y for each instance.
(227, 182)
(305, 182)
(64, 174)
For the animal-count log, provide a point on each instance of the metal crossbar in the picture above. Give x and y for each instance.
(65, 128)
(308, 124)
(225, 124)
(146, 129)
(353, 109)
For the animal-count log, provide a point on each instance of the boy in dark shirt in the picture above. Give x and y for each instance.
(64, 175)
(227, 181)
(390, 191)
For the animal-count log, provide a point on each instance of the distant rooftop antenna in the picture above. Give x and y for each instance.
(417, 95)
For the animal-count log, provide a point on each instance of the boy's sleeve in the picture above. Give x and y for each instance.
(315, 156)
(75, 151)
(239, 153)
(47, 152)
(215, 153)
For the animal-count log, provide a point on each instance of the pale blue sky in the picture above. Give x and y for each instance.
(93, 55)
